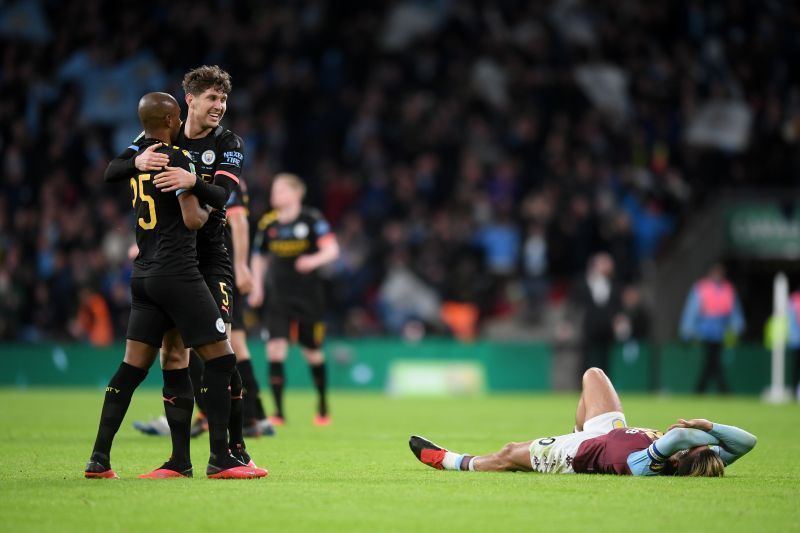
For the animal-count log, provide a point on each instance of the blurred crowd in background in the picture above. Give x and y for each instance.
(471, 156)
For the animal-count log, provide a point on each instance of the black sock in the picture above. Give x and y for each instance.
(178, 405)
(253, 409)
(276, 381)
(118, 399)
(318, 376)
(236, 420)
(196, 372)
(217, 396)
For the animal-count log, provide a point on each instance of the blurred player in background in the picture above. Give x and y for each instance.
(711, 312)
(237, 239)
(169, 292)
(294, 241)
(602, 443)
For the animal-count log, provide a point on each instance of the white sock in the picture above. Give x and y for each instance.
(450, 461)
(472, 464)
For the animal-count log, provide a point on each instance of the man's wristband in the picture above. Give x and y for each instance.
(178, 192)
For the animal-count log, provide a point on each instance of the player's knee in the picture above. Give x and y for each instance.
(507, 450)
(174, 358)
(214, 350)
(594, 373)
(277, 350)
(314, 357)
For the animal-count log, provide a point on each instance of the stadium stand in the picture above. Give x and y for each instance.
(472, 153)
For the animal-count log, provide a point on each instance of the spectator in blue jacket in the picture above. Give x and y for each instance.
(711, 310)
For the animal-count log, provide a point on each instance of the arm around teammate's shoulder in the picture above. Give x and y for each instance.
(121, 167)
(132, 160)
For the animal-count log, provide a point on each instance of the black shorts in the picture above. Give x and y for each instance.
(166, 302)
(308, 331)
(223, 291)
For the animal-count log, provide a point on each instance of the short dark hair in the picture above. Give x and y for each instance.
(200, 79)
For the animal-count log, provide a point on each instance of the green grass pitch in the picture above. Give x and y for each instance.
(359, 474)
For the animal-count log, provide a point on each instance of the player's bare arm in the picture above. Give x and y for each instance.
(258, 268)
(328, 252)
(240, 234)
(194, 215)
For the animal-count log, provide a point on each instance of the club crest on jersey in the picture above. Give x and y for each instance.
(220, 325)
(208, 157)
(301, 230)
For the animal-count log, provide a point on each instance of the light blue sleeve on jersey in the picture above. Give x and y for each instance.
(639, 463)
(733, 442)
(648, 462)
(728, 441)
(322, 228)
(679, 439)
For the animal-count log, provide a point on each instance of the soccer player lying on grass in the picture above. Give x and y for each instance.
(602, 443)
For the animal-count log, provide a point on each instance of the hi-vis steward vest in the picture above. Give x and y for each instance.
(716, 299)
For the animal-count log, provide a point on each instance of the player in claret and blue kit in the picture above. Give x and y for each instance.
(602, 443)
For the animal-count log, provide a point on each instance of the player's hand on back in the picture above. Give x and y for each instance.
(694, 423)
(133, 252)
(174, 178)
(244, 279)
(149, 159)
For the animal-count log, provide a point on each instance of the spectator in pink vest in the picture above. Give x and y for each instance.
(712, 309)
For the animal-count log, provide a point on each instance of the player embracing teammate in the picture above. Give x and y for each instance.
(217, 155)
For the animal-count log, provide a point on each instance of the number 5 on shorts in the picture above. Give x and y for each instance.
(224, 293)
